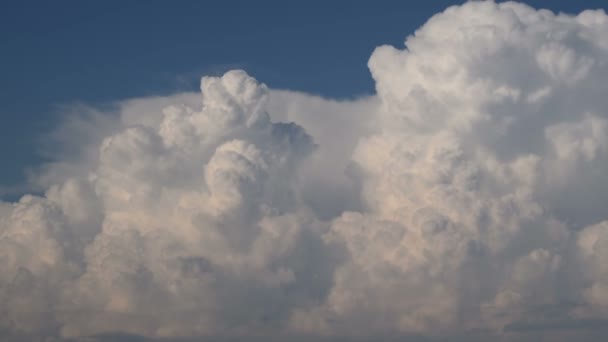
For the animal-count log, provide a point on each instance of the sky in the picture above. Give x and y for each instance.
(305, 171)
(58, 54)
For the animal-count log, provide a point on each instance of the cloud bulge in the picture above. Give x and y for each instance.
(466, 197)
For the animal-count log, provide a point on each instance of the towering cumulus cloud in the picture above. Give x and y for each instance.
(466, 199)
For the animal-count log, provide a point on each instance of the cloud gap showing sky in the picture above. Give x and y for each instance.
(465, 200)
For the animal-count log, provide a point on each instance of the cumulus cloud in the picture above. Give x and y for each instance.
(466, 198)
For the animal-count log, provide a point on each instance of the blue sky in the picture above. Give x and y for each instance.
(63, 52)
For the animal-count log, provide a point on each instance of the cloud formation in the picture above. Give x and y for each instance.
(468, 195)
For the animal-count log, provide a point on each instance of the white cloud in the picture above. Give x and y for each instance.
(467, 195)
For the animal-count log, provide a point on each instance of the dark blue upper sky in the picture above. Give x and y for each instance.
(61, 52)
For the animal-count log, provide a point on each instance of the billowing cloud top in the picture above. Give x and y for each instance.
(467, 197)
